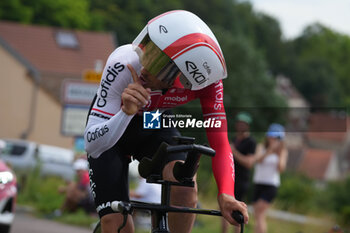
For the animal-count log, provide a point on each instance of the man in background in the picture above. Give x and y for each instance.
(243, 148)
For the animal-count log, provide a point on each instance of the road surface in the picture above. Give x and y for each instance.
(24, 222)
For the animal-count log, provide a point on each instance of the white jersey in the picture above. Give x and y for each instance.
(106, 116)
(266, 172)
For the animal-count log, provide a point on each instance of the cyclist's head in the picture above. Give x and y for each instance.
(179, 44)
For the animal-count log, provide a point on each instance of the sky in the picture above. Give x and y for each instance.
(295, 15)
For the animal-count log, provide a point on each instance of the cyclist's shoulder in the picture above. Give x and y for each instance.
(124, 54)
(116, 65)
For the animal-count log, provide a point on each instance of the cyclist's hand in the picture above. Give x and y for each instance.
(135, 96)
(228, 204)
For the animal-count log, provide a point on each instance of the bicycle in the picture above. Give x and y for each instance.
(151, 170)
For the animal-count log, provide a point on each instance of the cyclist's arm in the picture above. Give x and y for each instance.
(222, 163)
(107, 121)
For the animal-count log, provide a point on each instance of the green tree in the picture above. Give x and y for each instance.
(268, 38)
(338, 199)
(318, 62)
(14, 10)
(127, 18)
(249, 86)
(62, 13)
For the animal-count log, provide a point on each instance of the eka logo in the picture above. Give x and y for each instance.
(151, 120)
(194, 71)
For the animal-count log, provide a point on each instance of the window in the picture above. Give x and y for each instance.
(15, 150)
(66, 39)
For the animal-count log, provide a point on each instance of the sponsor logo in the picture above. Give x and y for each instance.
(151, 120)
(99, 132)
(99, 115)
(106, 82)
(162, 29)
(219, 96)
(176, 98)
(207, 67)
(103, 206)
(197, 76)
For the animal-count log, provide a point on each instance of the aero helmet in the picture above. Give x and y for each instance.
(179, 43)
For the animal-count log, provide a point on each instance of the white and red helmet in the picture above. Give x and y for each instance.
(180, 43)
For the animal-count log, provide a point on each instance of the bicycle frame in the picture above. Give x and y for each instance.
(159, 212)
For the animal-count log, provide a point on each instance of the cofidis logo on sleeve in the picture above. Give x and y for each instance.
(151, 120)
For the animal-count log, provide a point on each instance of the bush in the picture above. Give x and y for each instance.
(338, 198)
(297, 193)
(41, 192)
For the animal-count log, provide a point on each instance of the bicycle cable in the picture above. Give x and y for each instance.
(125, 218)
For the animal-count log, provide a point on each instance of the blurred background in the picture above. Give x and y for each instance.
(288, 62)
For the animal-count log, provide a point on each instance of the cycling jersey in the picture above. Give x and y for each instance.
(107, 122)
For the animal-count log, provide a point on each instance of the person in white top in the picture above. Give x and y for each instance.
(146, 192)
(271, 159)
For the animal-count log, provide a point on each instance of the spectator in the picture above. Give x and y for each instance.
(271, 161)
(77, 192)
(145, 192)
(243, 148)
(335, 229)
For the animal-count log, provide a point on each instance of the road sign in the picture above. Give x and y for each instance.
(92, 76)
(74, 120)
(78, 92)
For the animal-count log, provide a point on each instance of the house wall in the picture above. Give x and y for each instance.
(16, 93)
(333, 171)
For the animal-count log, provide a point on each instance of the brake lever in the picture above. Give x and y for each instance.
(238, 217)
(124, 209)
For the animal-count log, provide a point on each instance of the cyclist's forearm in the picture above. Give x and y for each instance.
(224, 173)
(100, 136)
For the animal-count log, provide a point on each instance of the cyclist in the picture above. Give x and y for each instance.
(176, 55)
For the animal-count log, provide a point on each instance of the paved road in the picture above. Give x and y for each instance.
(25, 222)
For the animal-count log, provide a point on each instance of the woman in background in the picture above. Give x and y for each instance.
(271, 159)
